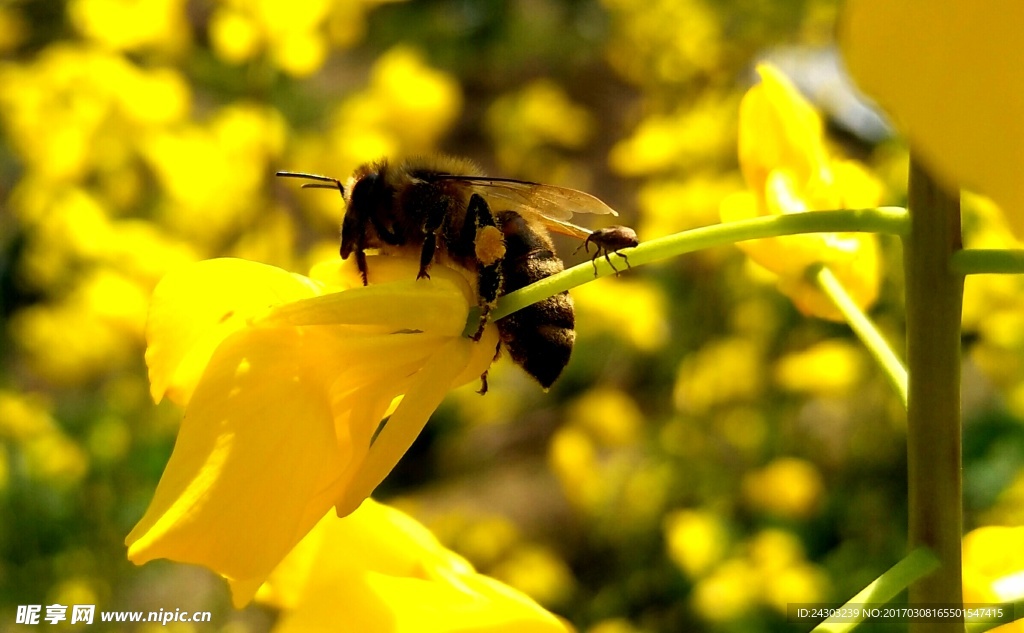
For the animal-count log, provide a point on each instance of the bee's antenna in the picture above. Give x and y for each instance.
(334, 182)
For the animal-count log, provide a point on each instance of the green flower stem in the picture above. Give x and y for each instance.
(865, 329)
(881, 590)
(892, 220)
(978, 261)
(934, 298)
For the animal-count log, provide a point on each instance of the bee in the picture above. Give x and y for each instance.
(609, 240)
(441, 208)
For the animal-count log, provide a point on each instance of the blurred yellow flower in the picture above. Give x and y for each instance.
(285, 380)
(951, 74)
(721, 372)
(296, 36)
(772, 550)
(484, 540)
(787, 487)
(95, 328)
(679, 141)
(529, 126)
(405, 110)
(664, 41)
(290, 32)
(573, 457)
(538, 572)
(801, 582)
(831, 367)
(671, 206)
(42, 450)
(610, 416)
(75, 109)
(729, 592)
(133, 25)
(784, 572)
(379, 566)
(697, 540)
(788, 170)
(596, 458)
(212, 173)
(633, 309)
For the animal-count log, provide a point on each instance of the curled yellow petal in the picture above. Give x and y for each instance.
(196, 307)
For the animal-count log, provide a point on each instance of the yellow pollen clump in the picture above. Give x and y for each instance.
(490, 245)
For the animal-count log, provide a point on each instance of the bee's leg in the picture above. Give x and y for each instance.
(361, 265)
(431, 227)
(489, 285)
(488, 250)
(483, 376)
(427, 255)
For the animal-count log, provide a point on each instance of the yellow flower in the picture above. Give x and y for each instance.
(133, 25)
(951, 74)
(788, 170)
(285, 380)
(531, 125)
(788, 487)
(380, 565)
(696, 540)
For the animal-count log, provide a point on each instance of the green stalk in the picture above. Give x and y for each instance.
(865, 330)
(881, 590)
(934, 302)
(988, 261)
(891, 220)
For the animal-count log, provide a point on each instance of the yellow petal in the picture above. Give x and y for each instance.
(256, 461)
(778, 127)
(377, 566)
(951, 75)
(429, 387)
(196, 307)
(437, 306)
(788, 169)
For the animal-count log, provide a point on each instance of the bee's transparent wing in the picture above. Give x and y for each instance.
(547, 201)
